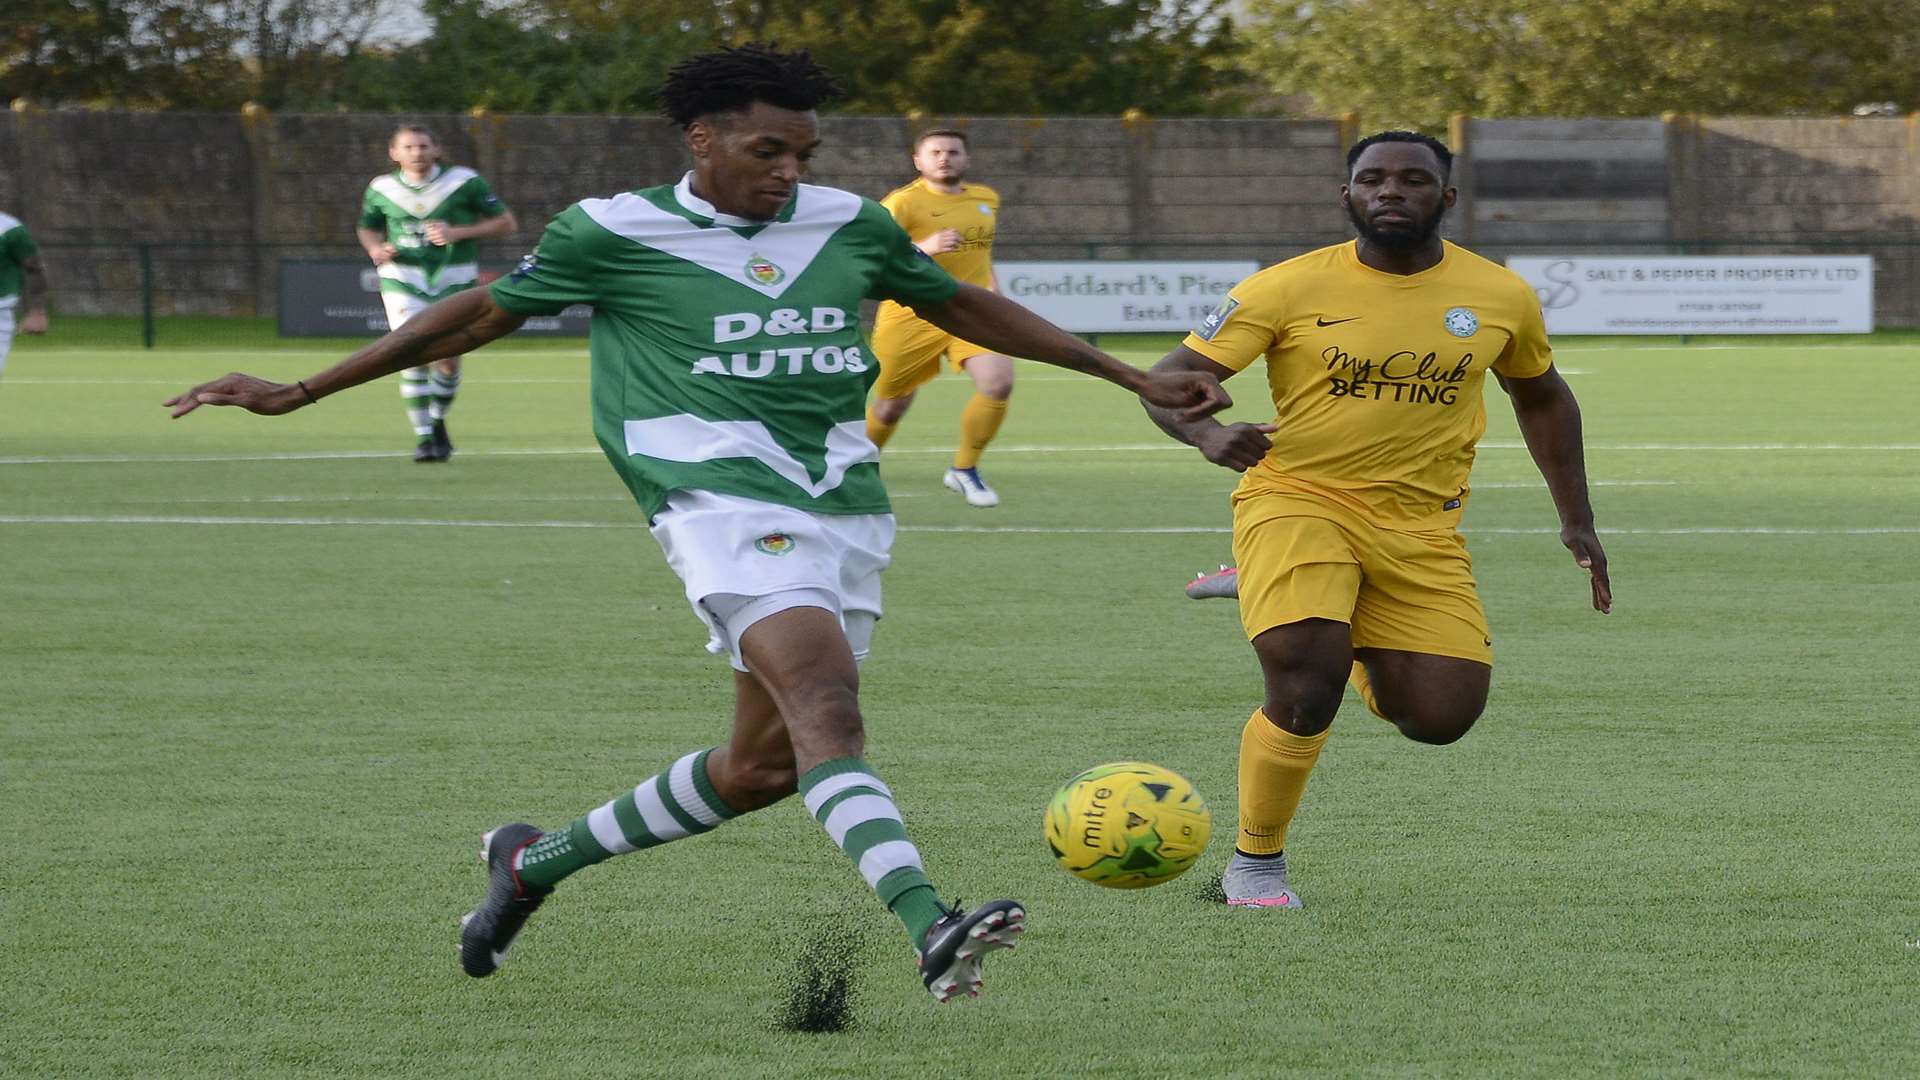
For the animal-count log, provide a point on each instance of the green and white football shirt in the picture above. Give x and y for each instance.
(457, 196)
(16, 247)
(727, 353)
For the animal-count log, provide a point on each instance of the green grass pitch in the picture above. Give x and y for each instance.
(266, 682)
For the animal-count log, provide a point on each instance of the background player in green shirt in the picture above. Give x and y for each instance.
(418, 224)
(21, 277)
(729, 391)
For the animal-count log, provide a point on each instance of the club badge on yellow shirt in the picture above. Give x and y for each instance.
(1462, 322)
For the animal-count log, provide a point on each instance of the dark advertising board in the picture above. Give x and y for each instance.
(342, 299)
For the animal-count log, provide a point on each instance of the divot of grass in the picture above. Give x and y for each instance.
(1208, 889)
(822, 983)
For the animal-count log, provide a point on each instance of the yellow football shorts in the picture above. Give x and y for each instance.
(1306, 558)
(909, 349)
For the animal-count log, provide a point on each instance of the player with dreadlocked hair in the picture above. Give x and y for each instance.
(729, 391)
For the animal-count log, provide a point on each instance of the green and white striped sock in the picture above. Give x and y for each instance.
(857, 811)
(444, 387)
(416, 389)
(677, 803)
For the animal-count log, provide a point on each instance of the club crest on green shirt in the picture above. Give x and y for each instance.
(774, 544)
(764, 270)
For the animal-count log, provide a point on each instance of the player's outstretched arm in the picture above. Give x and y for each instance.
(1550, 423)
(1234, 446)
(987, 318)
(453, 327)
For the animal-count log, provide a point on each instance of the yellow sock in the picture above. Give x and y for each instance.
(979, 421)
(1364, 687)
(877, 431)
(1273, 775)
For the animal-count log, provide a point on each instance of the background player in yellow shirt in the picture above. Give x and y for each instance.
(954, 222)
(1345, 522)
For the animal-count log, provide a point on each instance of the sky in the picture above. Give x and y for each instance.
(404, 22)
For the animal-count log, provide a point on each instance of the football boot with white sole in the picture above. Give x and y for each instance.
(967, 482)
(950, 958)
(487, 932)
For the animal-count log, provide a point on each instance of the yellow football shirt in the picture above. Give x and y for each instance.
(974, 212)
(1377, 377)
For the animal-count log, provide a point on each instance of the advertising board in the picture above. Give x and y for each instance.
(1702, 294)
(342, 299)
(1118, 297)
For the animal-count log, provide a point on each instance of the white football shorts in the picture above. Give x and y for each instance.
(402, 306)
(6, 334)
(742, 560)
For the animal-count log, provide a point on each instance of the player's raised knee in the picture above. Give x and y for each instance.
(1437, 723)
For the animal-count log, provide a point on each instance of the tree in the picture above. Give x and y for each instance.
(953, 56)
(1014, 56)
(949, 56)
(559, 56)
(179, 53)
(294, 51)
(97, 52)
(1417, 61)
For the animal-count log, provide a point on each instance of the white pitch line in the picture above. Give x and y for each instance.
(1541, 485)
(1108, 448)
(158, 519)
(1738, 530)
(1112, 448)
(221, 500)
(626, 500)
(345, 455)
(1502, 444)
(186, 381)
(182, 459)
(224, 499)
(1756, 347)
(472, 381)
(1710, 530)
(1523, 487)
(308, 455)
(1036, 530)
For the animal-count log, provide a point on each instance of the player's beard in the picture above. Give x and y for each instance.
(1400, 239)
